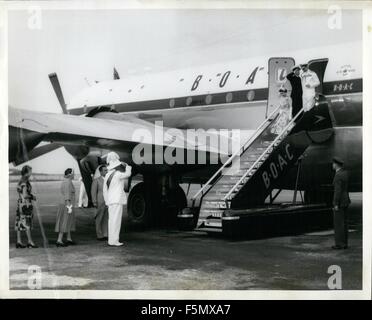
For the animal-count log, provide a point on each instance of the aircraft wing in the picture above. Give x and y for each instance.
(107, 133)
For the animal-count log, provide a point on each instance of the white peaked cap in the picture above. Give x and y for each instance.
(113, 160)
(112, 157)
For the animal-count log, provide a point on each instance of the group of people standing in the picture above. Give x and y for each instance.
(108, 197)
(303, 82)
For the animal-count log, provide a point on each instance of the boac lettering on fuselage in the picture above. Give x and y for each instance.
(225, 76)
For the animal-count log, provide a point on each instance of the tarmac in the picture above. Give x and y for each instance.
(172, 260)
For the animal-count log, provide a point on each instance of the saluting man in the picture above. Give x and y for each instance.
(296, 93)
(310, 81)
(341, 202)
(114, 195)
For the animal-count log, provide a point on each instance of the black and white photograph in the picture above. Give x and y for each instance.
(182, 151)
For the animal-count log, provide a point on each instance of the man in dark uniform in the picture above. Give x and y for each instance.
(296, 94)
(341, 202)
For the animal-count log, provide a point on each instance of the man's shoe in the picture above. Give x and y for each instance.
(119, 244)
(70, 242)
(337, 247)
(101, 239)
(60, 244)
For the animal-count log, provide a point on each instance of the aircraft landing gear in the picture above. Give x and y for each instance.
(155, 202)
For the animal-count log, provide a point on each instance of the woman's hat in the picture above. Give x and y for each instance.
(296, 67)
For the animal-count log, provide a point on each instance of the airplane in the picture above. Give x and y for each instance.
(224, 97)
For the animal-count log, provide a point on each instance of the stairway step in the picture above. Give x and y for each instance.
(241, 172)
(219, 192)
(214, 204)
(214, 223)
(228, 178)
(231, 182)
(209, 213)
(213, 197)
(267, 142)
(251, 154)
(210, 229)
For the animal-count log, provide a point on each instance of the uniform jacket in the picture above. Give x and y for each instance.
(296, 85)
(115, 193)
(341, 194)
(97, 191)
(309, 78)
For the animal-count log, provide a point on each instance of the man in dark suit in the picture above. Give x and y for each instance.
(341, 202)
(296, 94)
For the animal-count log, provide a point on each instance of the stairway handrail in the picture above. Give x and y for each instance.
(239, 151)
(260, 157)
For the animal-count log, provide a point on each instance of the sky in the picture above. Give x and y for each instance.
(83, 46)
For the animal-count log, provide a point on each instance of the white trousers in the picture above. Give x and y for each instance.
(308, 102)
(114, 223)
(83, 197)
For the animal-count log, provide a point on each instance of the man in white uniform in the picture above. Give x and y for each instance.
(310, 81)
(114, 195)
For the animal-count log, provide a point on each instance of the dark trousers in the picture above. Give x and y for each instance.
(296, 104)
(341, 227)
(101, 220)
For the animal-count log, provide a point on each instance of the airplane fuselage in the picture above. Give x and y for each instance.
(234, 96)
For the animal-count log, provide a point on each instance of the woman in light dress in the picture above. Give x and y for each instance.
(285, 112)
(65, 222)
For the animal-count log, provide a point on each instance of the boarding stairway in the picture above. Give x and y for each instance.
(249, 176)
(264, 161)
(239, 171)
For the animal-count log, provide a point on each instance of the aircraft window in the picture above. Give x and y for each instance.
(250, 95)
(210, 80)
(172, 103)
(218, 74)
(208, 99)
(229, 97)
(142, 86)
(130, 90)
(238, 76)
(181, 79)
(188, 101)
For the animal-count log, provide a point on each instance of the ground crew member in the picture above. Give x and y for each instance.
(341, 202)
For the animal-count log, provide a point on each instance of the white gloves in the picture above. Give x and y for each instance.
(69, 208)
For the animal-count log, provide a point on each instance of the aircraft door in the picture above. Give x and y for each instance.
(278, 70)
(319, 67)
